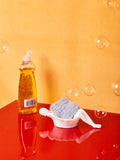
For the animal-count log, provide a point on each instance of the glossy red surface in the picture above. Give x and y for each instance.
(34, 137)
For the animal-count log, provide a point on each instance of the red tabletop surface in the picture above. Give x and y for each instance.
(34, 137)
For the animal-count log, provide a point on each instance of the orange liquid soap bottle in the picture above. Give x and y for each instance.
(27, 94)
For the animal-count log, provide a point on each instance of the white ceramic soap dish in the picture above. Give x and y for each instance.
(69, 123)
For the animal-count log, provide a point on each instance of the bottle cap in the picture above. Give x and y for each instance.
(27, 57)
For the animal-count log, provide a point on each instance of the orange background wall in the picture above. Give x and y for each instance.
(61, 35)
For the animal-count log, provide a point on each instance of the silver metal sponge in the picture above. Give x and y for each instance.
(64, 108)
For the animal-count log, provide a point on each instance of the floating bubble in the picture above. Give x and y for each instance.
(116, 88)
(102, 152)
(113, 3)
(109, 2)
(100, 113)
(3, 46)
(73, 93)
(115, 146)
(97, 157)
(101, 42)
(89, 90)
(100, 155)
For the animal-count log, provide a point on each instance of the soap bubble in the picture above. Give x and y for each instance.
(73, 93)
(100, 113)
(3, 46)
(97, 157)
(100, 155)
(89, 90)
(115, 146)
(116, 88)
(113, 3)
(101, 42)
(109, 2)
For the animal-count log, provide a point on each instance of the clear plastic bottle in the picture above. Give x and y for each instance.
(27, 94)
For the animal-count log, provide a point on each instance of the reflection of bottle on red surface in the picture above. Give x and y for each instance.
(27, 133)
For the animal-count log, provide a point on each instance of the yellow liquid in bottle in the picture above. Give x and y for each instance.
(27, 95)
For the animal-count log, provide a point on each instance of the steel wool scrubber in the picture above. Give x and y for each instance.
(66, 114)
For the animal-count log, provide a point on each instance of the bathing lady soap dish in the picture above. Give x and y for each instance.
(66, 114)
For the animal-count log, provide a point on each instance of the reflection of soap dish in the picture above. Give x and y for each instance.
(70, 134)
(69, 123)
